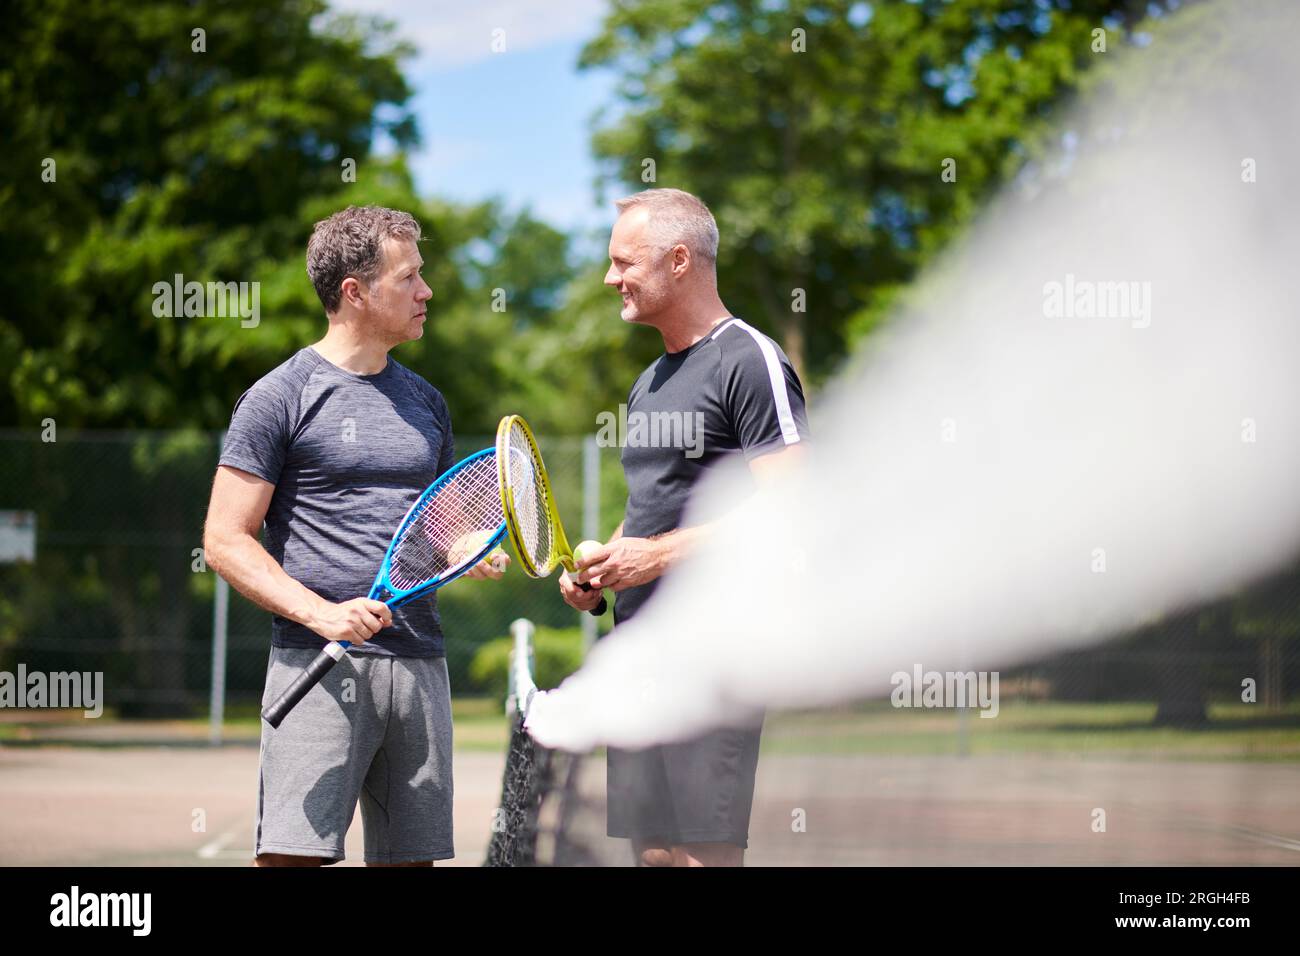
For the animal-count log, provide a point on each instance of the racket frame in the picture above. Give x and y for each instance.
(560, 554)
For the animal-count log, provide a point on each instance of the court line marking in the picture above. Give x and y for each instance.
(1236, 830)
(1262, 836)
(217, 848)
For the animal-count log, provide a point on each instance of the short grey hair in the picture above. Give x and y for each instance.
(351, 243)
(677, 217)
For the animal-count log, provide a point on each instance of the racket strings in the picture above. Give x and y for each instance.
(450, 527)
(531, 503)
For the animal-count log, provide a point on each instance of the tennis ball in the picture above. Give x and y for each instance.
(497, 558)
(585, 549)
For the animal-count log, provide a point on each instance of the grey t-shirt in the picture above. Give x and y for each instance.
(348, 455)
(734, 392)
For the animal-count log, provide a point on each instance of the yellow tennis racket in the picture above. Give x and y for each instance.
(529, 505)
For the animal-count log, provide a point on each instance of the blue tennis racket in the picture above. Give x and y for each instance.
(451, 527)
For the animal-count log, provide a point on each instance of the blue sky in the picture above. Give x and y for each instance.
(516, 123)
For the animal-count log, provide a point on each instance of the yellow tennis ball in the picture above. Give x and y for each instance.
(585, 548)
(495, 558)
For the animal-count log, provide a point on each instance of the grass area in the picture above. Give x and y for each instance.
(480, 723)
(1111, 730)
(1085, 730)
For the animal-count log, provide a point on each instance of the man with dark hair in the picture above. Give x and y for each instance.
(330, 449)
(732, 391)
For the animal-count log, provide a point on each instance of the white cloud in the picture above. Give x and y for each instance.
(451, 33)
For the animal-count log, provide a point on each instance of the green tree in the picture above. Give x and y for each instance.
(214, 165)
(205, 154)
(818, 130)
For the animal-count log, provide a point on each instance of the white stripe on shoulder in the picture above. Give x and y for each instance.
(723, 327)
(780, 395)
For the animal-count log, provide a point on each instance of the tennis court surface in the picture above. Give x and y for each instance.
(109, 800)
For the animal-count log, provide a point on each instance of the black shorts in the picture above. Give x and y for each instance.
(696, 791)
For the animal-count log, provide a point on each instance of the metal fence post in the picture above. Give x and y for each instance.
(590, 518)
(220, 625)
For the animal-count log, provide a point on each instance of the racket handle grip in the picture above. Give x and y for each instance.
(275, 713)
(600, 608)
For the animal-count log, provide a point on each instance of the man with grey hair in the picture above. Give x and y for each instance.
(684, 804)
(329, 451)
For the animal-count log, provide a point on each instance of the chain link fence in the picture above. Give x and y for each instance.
(118, 584)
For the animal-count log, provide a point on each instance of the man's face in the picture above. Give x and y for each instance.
(398, 297)
(640, 272)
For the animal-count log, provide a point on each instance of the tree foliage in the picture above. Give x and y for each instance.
(818, 130)
(174, 152)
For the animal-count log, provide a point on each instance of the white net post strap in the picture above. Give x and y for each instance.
(522, 687)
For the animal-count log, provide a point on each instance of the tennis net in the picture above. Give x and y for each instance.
(552, 803)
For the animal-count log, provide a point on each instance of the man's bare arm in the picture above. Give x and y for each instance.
(766, 469)
(232, 549)
(640, 560)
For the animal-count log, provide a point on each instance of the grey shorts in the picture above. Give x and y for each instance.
(693, 791)
(376, 729)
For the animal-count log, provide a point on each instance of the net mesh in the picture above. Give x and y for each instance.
(552, 810)
(451, 526)
(532, 514)
(547, 816)
(526, 780)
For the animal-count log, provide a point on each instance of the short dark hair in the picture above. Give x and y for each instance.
(351, 243)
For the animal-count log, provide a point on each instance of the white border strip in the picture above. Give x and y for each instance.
(789, 431)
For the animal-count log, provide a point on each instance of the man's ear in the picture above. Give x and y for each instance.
(352, 292)
(681, 259)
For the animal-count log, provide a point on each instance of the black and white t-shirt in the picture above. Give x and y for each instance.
(734, 392)
(348, 455)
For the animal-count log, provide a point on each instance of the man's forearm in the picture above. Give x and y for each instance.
(680, 542)
(251, 571)
(677, 544)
